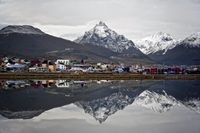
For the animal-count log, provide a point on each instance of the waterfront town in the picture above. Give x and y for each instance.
(14, 64)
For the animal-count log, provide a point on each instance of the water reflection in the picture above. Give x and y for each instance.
(100, 99)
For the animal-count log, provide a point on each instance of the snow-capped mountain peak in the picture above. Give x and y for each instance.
(22, 29)
(192, 41)
(101, 29)
(158, 42)
(161, 36)
(102, 35)
(101, 24)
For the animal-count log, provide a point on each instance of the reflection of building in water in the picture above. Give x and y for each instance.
(81, 82)
(103, 81)
(2, 82)
(14, 84)
(36, 84)
(48, 83)
(62, 84)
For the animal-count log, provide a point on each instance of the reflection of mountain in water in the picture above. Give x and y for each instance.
(102, 108)
(21, 114)
(100, 100)
(156, 102)
(193, 104)
(164, 102)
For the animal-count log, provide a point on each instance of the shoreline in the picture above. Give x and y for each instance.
(98, 76)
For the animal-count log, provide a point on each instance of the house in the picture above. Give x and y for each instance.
(42, 69)
(151, 70)
(32, 69)
(63, 61)
(21, 61)
(61, 67)
(78, 69)
(82, 67)
(35, 62)
(14, 59)
(103, 67)
(2, 65)
(61, 64)
(5, 59)
(15, 67)
(49, 65)
(118, 69)
(45, 63)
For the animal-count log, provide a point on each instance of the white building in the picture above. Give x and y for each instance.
(61, 64)
(61, 67)
(104, 67)
(15, 66)
(63, 61)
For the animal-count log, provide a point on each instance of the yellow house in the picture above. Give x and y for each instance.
(45, 63)
(51, 66)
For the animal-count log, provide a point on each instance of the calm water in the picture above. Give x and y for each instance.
(99, 106)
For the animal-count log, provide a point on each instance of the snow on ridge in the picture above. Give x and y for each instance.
(162, 42)
(157, 42)
(192, 41)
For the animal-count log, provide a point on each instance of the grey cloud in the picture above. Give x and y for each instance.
(134, 18)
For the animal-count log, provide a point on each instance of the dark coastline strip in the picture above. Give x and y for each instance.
(98, 76)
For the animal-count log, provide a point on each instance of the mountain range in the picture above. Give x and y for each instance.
(28, 41)
(164, 49)
(101, 44)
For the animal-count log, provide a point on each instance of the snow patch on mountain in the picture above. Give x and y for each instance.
(156, 102)
(192, 41)
(22, 29)
(155, 43)
(103, 36)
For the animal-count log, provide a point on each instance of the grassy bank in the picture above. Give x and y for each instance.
(98, 76)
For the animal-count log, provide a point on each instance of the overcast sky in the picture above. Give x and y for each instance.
(133, 18)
